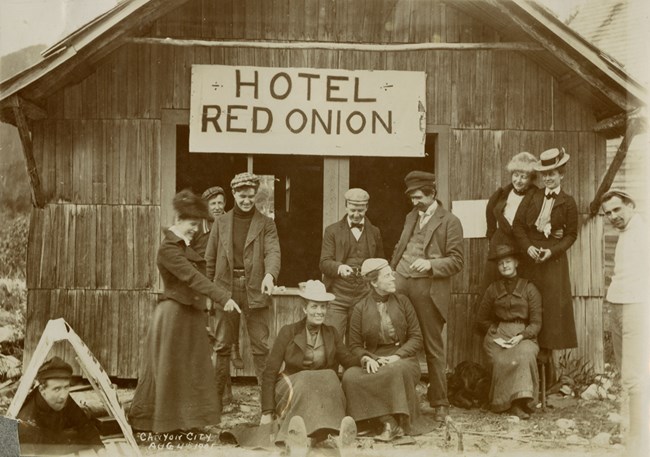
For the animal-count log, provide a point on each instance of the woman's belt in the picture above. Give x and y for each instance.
(514, 321)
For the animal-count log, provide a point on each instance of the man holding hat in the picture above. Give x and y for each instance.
(50, 416)
(627, 297)
(428, 253)
(346, 244)
(243, 256)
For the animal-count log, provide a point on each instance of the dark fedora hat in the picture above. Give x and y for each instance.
(188, 205)
(503, 250)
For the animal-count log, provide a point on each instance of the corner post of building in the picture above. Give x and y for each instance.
(336, 181)
(635, 125)
(17, 104)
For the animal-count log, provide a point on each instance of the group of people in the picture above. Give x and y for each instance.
(370, 315)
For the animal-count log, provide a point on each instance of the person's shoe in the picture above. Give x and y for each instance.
(440, 413)
(390, 433)
(347, 433)
(515, 410)
(235, 358)
(526, 406)
(297, 441)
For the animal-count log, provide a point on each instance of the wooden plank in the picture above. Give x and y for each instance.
(336, 176)
(28, 154)
(118, 252)
(35, 241)
(99, 175)
(129, 234)
(103, 233)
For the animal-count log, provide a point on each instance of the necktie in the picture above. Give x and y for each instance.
(356, 225)
(550, 195)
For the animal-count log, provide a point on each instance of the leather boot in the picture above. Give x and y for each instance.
(235, 357)
(222, 370)
(259, 362)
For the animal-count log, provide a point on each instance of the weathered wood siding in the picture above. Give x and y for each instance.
(99, 153)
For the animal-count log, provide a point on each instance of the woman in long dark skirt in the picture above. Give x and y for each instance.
(306, 396)
(510, 316)
(177, 387)
(546, 225)
(385, 334)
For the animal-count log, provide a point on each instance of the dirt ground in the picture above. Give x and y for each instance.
(479, 432)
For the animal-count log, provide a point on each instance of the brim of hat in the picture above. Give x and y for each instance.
(318, 297)
(501, 256)
(55, 374)
(562, 161)
(414, 187)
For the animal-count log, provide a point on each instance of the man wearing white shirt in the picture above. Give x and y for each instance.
(346, 244)
(428, 254)
(627, 297)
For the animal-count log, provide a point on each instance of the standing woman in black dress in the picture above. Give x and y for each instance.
(177, 388)
(502, 207)
(546, 225)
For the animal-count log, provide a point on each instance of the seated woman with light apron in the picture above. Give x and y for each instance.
(510, 315)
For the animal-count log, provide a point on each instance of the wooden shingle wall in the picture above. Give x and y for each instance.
(92, 249)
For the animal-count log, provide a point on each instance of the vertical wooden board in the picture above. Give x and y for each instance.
(89, 97)
(54, 105)
(101, 246)
(183, 57)
(141, 80)
(89, 152)
(252, 20)
(155, 160)
(238, 19)
(152, 101)
(498, 91)
(48, 170)
(340, 31)
(35, 239)
(122, 88)
(81, 247)
(402, 28)
(311, 15)
(515, 92)
(296, 20)
(422, 22)
(38, 143)
(245, 56)
(451, 24)
(47, 262)
(34, 321)
(139, 246)
(99, 163)
(122, 134)
(129, 232)
(111, 160)
(327, 16)
(72, 102)
(63, 161)
(118, 251)
(102, 83)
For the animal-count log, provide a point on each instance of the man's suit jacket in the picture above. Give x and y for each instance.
(290, 347)
(261, 255)
(443, 247)
(336, 248)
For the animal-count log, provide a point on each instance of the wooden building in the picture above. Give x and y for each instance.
(104, 122)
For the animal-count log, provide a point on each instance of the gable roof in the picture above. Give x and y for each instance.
(577, 64)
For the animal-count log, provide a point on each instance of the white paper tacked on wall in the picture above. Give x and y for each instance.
(472, 216)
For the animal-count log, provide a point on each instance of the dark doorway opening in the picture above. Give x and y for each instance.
(383, 179)
(298, 198)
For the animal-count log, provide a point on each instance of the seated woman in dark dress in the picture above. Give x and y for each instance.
(306, 396)
(385, 334)
(510, 314)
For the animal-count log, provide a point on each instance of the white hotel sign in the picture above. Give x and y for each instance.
(309, 111)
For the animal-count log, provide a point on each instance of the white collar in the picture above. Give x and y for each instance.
(631, 222)
(430, 210)
(175, 231)
(555, 191)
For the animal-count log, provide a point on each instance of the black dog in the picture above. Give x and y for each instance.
(469, 386)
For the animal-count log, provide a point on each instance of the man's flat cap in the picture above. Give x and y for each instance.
(418, 179)
(356, 195)
(245, 179)
(56, 367)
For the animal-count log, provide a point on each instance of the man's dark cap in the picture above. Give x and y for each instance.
(417, 179)
(55, 368)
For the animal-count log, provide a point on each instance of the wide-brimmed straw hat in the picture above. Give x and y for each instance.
(503, 250)
(314, 290)
(552, 159)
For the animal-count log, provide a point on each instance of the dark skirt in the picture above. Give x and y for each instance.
(552, 279)
(514, 370)
(389, 391)
(177, 387)
(315, 395)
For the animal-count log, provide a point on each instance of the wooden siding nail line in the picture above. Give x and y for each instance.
(497, 46)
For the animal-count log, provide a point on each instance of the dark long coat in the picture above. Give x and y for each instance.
(177, 386)
(552, 277)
